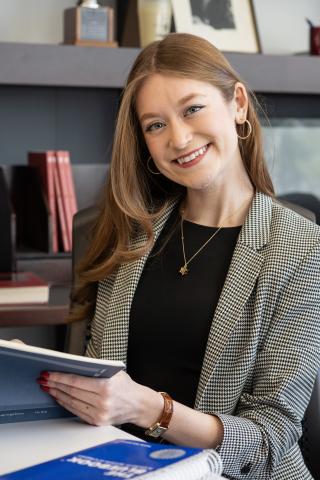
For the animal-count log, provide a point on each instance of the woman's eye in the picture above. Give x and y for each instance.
(154, 126)
(193, 109)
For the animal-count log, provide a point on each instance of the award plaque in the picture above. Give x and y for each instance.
(89, 25)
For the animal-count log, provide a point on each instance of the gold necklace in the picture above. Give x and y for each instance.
(184, 268)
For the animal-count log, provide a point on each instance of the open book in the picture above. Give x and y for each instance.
(21, 398)
(121, 459)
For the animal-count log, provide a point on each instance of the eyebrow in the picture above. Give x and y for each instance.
(180, 102)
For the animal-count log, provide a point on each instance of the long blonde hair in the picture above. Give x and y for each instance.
(133, 198)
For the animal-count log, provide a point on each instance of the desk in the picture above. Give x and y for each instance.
(23, 444)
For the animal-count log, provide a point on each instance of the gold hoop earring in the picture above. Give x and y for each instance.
(249, 130)
(153, 173)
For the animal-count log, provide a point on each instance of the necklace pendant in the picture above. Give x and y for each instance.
(184, 270)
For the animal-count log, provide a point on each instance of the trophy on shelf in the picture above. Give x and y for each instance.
(89, 25)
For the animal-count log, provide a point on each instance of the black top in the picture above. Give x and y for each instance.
(171, 314)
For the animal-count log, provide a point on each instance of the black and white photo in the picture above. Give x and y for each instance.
(228, 24)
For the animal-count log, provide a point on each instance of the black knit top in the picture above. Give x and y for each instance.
(171, 314)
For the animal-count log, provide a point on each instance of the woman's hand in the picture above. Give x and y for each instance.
(101, 401)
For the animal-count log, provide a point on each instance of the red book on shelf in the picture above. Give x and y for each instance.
(63, 178)
(22, 288)
(66, 242)
(68, 190)
(45, 162)
(70, 183)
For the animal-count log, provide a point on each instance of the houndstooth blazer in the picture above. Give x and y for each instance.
(263, 350)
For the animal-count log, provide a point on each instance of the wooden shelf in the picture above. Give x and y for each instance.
(29, 315)
(52, 313)
(75, 66)
(57, 272)
(64, 65)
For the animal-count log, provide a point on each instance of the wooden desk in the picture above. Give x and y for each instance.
(23, 444)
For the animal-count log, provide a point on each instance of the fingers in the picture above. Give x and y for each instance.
(71, 391)
(78, 407)
(79, 382)
(98, 401)
(91, 406)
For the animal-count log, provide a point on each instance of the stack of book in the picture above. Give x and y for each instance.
(22, 288)
(58, 185)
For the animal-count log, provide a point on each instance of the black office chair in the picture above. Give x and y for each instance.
(75, 338)
(82, 225)
(305, 200)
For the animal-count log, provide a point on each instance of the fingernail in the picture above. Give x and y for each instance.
(43, 387)
(42, 381)
(45, 375)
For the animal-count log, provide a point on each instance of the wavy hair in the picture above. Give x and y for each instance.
(133, 198)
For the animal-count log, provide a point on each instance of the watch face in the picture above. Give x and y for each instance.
(155, 431)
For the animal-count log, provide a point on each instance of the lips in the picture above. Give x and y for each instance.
(192, 157)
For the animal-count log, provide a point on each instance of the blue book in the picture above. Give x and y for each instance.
(21, 398)
(128, 459)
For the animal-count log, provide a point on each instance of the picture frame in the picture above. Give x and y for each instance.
(228, 24)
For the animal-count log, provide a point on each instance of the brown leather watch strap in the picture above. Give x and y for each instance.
(167, 410)
(162, 424)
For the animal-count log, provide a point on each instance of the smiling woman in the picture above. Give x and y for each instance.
(196, 277)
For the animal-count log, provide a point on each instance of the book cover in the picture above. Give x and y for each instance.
(22, 288)
(70, 183)
(21, 397)
(120, 459)
(45, 162)
(64, 178)
(62, 219)
(30, 204)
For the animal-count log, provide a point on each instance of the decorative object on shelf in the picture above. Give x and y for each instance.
(154, 20)
(282, 26)
(228, 24)
(89, 25)
(314, 38)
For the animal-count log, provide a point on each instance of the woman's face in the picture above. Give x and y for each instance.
(190, 130)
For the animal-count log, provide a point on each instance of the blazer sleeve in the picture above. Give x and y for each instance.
(267, 422)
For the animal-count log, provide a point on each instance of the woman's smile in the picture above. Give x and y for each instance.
(192, 158)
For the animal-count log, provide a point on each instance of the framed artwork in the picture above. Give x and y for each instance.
(228, 24)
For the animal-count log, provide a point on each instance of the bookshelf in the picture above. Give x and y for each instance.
(69, 66)
(66, 97)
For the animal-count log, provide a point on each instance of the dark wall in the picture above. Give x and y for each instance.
(80, 120)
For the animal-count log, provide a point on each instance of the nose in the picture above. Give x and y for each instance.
(180, 135)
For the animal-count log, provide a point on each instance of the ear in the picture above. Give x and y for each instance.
(241, 102)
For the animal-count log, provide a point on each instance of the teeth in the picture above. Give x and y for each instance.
(192, 156)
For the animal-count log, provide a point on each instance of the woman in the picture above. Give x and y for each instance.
(207, 287)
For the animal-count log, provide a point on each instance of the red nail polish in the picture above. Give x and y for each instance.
(42, 381)
(44, 388)
(44, 375)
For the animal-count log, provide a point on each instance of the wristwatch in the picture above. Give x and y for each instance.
(162, 424)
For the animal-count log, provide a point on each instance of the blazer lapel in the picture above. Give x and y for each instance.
(243, 272)
(116, 329)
